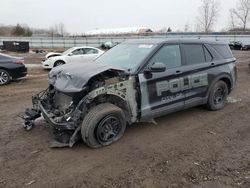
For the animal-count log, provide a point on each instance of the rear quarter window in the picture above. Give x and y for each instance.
(90, 51)
(223, 50)
(208, 55)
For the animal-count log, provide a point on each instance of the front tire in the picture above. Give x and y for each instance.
(103, 125)
(4, 77)
(218, 96)
(58, 63)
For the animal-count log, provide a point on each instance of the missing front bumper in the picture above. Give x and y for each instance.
(66, 130)
(63, 126)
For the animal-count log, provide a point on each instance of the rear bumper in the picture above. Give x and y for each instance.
(18, 72)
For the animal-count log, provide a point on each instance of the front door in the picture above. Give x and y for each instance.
(162, 91)
(76, 55)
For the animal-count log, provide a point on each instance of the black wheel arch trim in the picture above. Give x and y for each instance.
(224, 77)
(116, 100)
(8, 70)
(4, 68)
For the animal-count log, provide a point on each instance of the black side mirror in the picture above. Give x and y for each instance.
(158, 67)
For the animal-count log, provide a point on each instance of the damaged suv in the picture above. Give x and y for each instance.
(136, 81)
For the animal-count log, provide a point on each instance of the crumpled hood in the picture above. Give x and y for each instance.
(71, 78)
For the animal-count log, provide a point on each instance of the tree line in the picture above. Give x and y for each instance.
(23, 30)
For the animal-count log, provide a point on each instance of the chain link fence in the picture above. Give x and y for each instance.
(67, 42)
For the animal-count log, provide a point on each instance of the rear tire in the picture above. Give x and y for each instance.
(4, 77)
(218, 96)
(103, 125)
(58, 63)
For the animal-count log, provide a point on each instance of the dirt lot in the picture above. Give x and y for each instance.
(192, 148)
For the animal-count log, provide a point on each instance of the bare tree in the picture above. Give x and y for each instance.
(208, 14)
(242, 13)
(52, 31)
(61, 29)
(163, 30)
(232, 19)
(187, 27)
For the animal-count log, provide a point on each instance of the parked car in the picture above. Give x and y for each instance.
(245, 46)
(135, 81)
(72, 55)
(107, 45)
(239, 45)
(235, 45)
(11, 68)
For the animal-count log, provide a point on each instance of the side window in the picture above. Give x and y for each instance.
(223, 50)
(194, 53)
(90, 51)
(170, 55)
(208, 56)
(78, 52)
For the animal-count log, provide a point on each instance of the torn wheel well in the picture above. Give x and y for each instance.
(113, 99)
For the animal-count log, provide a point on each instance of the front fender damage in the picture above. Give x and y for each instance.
(65, 112)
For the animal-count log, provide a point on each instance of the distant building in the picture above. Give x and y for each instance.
(117, 31)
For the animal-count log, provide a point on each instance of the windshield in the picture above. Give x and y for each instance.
(67, 51)
(127, 56)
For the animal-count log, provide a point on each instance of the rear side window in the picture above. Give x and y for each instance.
(90, 51)
(194, 53)
(223, 50)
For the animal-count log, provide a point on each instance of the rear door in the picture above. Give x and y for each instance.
(199, 63)
(161, 91)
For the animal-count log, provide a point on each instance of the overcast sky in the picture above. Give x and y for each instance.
(83, 15)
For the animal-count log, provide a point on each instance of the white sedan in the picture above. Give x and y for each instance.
(72, 55)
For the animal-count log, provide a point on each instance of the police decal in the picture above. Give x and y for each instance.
(181, 84)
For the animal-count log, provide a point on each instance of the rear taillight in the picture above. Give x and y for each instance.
(19, 62)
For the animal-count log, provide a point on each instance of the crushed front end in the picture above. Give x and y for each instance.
(61, 113)
(72, 94)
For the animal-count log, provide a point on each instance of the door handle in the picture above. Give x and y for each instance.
(178, 72)
(212, 64)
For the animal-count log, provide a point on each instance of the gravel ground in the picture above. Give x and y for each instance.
(191, 148)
